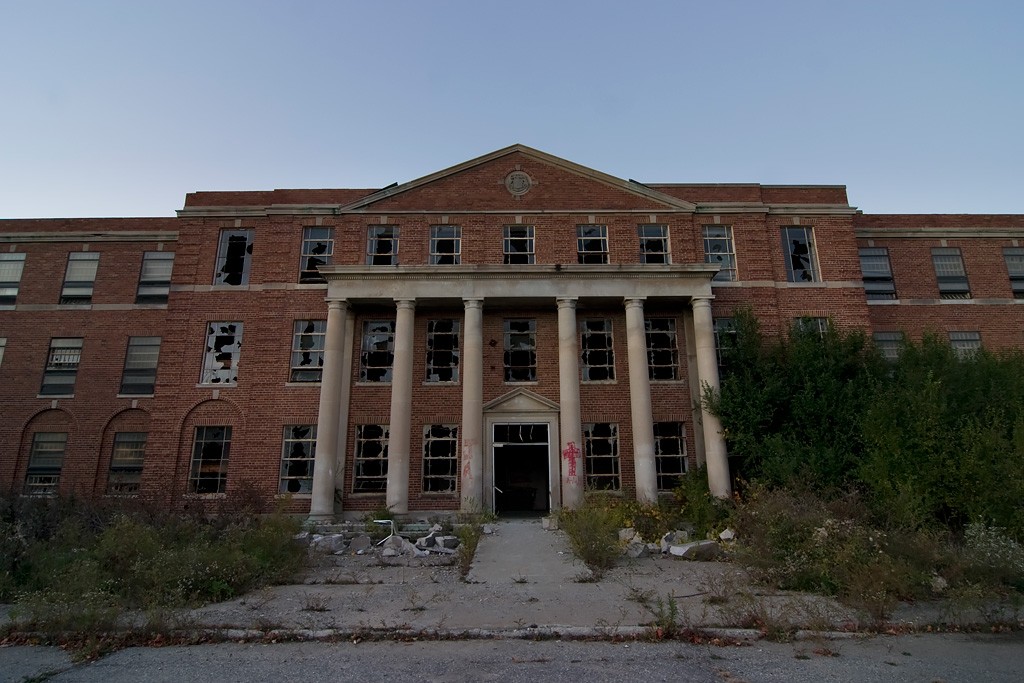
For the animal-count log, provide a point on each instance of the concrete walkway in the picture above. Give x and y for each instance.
(522, 551)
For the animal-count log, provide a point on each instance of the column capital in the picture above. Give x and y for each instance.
(473, 302)
(634, 301)
(567, 301)
(337, 304)
(701, 301)
(405, 303)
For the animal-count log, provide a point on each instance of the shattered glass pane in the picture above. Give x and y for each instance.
(223, 349)
(234, 257)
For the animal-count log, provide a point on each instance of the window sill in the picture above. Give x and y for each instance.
(74, 307)
(220, 385)
(667, 381)
(586, 382)
(294, 496)
(440, 384)
(54, 396)
(531, 382)
(372, 384)
(303, 384)
(205, 496)
(135, 396)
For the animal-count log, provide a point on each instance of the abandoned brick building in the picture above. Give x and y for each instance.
(499, 335)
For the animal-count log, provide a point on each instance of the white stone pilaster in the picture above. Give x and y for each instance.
(640, 403)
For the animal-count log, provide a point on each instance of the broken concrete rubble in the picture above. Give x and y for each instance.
(701, 551)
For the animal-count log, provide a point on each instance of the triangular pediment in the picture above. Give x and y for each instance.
(520, 401)
(519, 179)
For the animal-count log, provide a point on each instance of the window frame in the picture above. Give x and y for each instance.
(585, 253)
(810, 273)
(369, 338)
(124, 476)
(673, 348)
(376, 482)
(309, 258)
(965, 343)
(290, 458)
(530, 337)
(227, 373)
(528, 240)
(602, 481)
(431, 367)
(876, 271)
(661, 458)
(135, 369)
(376, 237)
(153, 287)
(952, 286)
(309, 343)
(59, 365)
(654, 256)
(43, 473)
(445, 258)
(79, 280)
(889, 344)
(588, 331)
(200, 462)
(447, 463)
(721, 250)
(9, 288)
(227, 255)
(1015, 255)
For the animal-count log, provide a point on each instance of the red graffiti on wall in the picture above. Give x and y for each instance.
(571, 453)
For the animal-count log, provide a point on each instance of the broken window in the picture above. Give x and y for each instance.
(234, 258)
(378, 352)
(371, 459)
(155, 277)
(669, 454)
(662, 352)
(443, 350)
(308, 350)
(811, 324)
(877, 273)
(61, 367)
(79, 278)
(125, 477)
(521, 350)
(317, 250)
(719, 250)
(518, 245)
(597, 356)
(950, 273)
(11, 268)
(140, 362)
(725, 340)
(889, 344)
(601, 448)
(653, 243)
(382, 245)
(45, 461)
(440, 458)
(592, 243)
(297, 457)
(965, 344)
(1014, 257)
(801, 261)
(211, 449)
(223, 348)
(445, 245)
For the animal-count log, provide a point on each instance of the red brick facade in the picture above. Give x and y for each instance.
(475, 197)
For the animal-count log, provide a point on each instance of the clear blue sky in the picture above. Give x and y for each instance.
(120, 108)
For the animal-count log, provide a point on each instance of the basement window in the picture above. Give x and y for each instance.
(211, 449)
(669, 454)
(371, 459)
(79, 278)
(440, 458)
(601, 443)
(662, 352)
(598, 356)
(125, 477)
(45, 461)
(234, 258)
(442, 351)
(297, 456)
(317, 250)
(521, 350)
(223, 349)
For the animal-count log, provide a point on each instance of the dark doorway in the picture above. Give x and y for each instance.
(521, 484)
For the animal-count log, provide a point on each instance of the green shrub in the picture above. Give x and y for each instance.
(593, 532)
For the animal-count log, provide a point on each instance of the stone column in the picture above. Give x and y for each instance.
(471, 370)
(572, 465)
(322, 504)
(400, 429)
(640, 403)
(719, 481)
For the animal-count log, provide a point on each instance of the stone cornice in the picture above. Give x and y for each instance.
(965, 232)
(92, 236)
